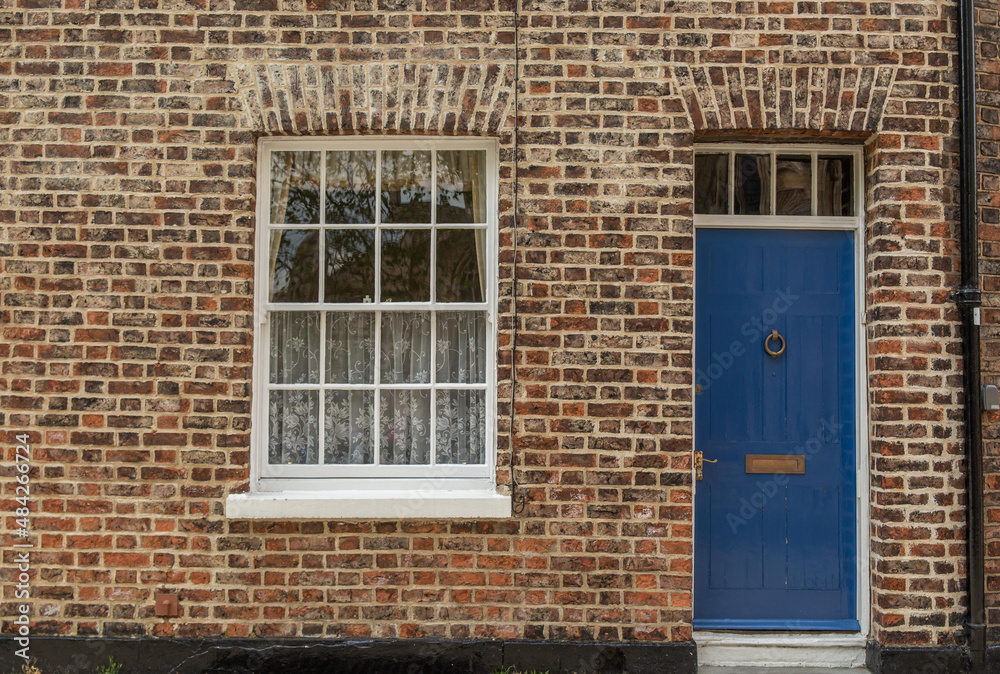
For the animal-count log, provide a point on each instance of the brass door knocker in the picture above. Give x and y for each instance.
(775, 336)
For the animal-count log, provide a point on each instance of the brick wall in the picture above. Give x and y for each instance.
(128, 169)
(988, 134)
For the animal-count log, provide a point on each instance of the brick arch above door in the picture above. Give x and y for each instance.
(848, 99)
(302, 99)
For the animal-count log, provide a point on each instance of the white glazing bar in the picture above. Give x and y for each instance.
(778, 222)
(432, 379)
(321, 275)
(322, 186)
(338, 387)
(365, 307)
(432, 375)
(378, 230)
(377, 300)
(371, 387)
(321, 415)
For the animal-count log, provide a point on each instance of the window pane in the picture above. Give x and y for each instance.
(295, 188)
(711, 184)
(461, 347)
(350, 265)
(294, 347)
(461, 260)
(406, 265)
(294, 432)
(461, 185)
(406, 348)
(406, 186)
(405, 428)
(350, 348)
(350, 188)
(348, 427)
(753, 185)
(835, 191)
(794, 185)
(295, 265)
(461, 427)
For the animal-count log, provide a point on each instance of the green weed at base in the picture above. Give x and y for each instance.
(113, 667)
(27, 668)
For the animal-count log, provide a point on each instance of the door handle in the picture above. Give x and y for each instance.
(699, 459)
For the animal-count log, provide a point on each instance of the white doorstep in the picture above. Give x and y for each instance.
(802, 649)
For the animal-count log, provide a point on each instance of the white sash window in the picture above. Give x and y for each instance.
(375, 346)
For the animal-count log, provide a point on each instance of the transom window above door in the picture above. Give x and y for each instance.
(376, 282)
(789, 181)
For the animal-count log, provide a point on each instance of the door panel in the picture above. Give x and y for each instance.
(813, 517)
(738, 562)
(775, 551)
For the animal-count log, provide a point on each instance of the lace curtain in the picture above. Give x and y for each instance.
(404, 353)
(294, 414)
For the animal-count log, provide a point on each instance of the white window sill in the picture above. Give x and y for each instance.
(396, 505)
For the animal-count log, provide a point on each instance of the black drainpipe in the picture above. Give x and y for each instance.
(968, 296)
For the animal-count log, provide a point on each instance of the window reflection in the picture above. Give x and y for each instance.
(295, 265)
(835, 193)
(406, 265)
(350, 187)
(460, 265)
(794, 185)
(295, 188)
(795, 180)
(350, 265)
(753, 184)
(461, 195)
(711, 184)
(406, 186)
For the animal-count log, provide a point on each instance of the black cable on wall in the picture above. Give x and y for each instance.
(517, 496)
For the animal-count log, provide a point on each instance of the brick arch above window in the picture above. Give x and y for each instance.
(300, 99)
(804, 98)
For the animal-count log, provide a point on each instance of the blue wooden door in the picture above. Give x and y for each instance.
(775, 550)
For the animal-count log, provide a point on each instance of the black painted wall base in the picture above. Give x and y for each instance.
(892, 660)
(69, 655)
(66, 655)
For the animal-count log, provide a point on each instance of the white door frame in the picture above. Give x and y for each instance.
(722, 644)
